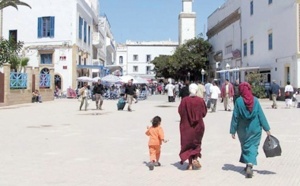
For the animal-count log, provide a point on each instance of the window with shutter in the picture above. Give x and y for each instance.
(46, 27)
(80, 27)
(84, 32)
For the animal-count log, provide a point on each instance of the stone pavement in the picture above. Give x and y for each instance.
(55, 144)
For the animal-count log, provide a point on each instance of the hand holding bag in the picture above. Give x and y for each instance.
(271, 147)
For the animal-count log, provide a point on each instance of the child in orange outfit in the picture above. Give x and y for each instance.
(156, 137)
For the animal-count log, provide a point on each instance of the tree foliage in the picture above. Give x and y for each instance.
(255, 79)
(190, 57)
(13, 3)
(9, 50)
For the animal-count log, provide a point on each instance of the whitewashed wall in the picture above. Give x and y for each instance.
(142, 51)
(66, 13)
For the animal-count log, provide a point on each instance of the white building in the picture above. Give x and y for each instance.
(224, 32)
(186, 22)
(136, 57)
(109, 49)
(269, 37)
(60, 36)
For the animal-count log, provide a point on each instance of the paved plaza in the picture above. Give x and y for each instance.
(53, 143)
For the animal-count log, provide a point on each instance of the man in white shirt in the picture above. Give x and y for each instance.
(214, 95)
(207, 91)
(288, 91)
(170, 89)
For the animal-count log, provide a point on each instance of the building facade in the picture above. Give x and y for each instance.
(136, 57)
(264, 34)
(60, 36)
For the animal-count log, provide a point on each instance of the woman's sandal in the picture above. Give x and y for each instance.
(196, 164)
(189, 167)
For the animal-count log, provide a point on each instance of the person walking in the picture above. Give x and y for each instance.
(236, 90)
(247, 121)
(170, 90)
(275, 91)
(184, 92)
(130, 91)
(98, 90)
(201, 90)
(83, 92)
(227, 94)
(207, 91)
(192, 110)
(214, 95)
(288, 94)
(156, 137)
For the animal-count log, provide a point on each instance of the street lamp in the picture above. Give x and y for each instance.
(189, 76)
(202, 73)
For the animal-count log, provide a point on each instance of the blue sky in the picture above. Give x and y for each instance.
(152, 20)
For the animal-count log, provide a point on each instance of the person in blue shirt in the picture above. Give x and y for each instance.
(275, 91)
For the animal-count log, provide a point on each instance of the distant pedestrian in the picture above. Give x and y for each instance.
(247, 121)
(170, 88)
(227, 94)
(192, 110)
(184, 92)
(156, 137)
(288, 94)
(130, 91)
(98, 91)
(201, 90)
(207, 91)
(236, 90)
(84, 93)
(275, 91)
(214, 95)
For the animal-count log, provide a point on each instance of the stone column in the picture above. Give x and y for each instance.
(52, 83)
(6, 71)
(28, 71)
(36, 72)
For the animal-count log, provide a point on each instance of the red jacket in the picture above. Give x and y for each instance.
(223, 90)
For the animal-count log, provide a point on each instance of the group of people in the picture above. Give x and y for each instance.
(248, 121)
(290, 95)
(129, 94)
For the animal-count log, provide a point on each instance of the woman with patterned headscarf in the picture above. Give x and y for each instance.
(192, 110)
(247, 121)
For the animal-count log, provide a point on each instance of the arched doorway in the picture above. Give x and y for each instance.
(57, 81)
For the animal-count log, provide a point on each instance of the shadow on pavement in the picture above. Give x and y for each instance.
(229, 167)
(239, 169)
(180, 166)
(165, 106)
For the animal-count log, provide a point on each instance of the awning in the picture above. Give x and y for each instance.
(238, 69)
(91, 66)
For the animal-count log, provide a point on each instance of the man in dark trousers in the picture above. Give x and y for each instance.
(185, 90)
(236, 91)
(98, 92)
(275, 90)
(130, 92)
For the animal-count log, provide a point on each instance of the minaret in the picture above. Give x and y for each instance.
(187, 22)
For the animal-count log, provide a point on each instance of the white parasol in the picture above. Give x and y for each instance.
(95, 79)
(84, 79)
(141, 80)
(127, 78)
(111, 79)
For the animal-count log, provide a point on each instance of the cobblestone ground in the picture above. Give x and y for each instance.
(53, 143)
